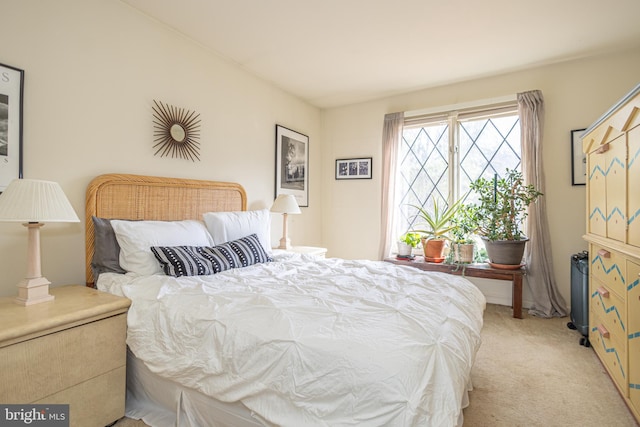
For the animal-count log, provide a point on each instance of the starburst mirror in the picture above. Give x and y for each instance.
(176, 132)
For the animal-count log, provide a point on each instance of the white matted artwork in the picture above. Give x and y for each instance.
(578, 159)
(292, 164)
(11, 94)
(358, 168)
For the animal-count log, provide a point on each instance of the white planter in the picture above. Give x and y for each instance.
(463, 252)
(404, 249)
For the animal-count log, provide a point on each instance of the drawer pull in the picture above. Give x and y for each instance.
(603, 149)
(603, 291)
(603, 331)
(604, 253)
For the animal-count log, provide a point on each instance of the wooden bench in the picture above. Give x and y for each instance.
(484, 271)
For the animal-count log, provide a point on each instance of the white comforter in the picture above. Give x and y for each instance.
(305, 342)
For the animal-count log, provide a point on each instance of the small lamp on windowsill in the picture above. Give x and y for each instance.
(285, 204)
(33, 202)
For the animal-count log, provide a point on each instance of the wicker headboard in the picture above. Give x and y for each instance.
(121, 196)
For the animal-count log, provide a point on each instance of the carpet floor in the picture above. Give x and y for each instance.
(533, 372)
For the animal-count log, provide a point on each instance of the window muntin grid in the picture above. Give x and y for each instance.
(435, 161)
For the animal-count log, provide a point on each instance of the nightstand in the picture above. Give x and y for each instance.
(71, 350)
(306, 250)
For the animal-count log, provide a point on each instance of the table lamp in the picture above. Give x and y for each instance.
(34, 202)
(285, 204)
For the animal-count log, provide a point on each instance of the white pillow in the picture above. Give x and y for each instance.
(136, 238)
(227, 226)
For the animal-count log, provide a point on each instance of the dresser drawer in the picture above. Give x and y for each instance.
(609, 267)
(96, 402)
(611, 350)
(634, 372)
(61, 360)
(610, 309)
(633, 298)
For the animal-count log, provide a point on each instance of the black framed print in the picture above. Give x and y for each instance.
(292, 164)
(11, 94)
(578, 159)
(359, 168)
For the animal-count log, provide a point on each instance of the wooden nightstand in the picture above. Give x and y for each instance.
(71, 350)
(307, 250)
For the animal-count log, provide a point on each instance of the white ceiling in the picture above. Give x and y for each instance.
(337, 52)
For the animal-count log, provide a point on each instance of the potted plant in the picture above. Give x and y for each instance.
(436, 228)
(465, 224)
(407, 243)
(501, 211)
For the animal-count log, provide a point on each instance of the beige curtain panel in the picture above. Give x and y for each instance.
(391, 137)
(547, 300)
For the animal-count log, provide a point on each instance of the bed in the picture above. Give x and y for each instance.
(265, 337)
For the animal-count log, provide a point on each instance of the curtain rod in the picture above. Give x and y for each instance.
(462, 106)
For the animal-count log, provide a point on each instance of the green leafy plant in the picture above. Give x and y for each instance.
(465, 224)
(410, 238)
(437, 223)
(502, 206)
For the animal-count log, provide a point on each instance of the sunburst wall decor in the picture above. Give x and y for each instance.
(177, 131)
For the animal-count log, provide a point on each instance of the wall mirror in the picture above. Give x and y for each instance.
(176, 132)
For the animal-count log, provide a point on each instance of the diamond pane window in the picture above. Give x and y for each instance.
(423, 169)
(435, 162)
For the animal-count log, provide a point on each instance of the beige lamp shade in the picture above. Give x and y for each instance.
(285, 204)
(33, 202)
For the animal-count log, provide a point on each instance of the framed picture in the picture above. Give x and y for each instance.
(11, 94)
(353, 168)
(578, 159)
(292, 164)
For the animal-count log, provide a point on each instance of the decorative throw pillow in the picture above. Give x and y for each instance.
(180, 261)
(228, 226)
(106, 251)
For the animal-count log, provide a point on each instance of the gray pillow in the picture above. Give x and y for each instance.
(106, 254)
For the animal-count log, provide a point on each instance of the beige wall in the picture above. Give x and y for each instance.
(94, 67)
(92, 71)
(576, 94)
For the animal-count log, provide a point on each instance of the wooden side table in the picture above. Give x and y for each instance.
(484, 271)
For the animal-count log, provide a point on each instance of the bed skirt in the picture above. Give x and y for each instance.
(163, 403)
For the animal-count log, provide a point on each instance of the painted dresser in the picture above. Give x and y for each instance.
(612, 148)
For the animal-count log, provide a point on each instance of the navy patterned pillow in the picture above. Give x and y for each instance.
(180, 261)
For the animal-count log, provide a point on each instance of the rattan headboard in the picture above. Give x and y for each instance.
(138, 197)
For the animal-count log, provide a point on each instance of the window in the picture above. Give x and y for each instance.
(441, 154)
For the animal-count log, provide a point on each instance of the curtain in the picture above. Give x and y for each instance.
(391, 137)
(547, 300)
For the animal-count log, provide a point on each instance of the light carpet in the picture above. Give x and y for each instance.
(533, 372)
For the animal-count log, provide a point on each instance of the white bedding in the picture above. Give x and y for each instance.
(313, 342)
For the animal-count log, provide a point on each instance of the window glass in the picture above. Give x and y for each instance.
(435, 162)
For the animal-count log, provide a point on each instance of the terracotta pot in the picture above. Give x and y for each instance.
(433, 249)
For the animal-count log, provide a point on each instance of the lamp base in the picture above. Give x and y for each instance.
(285, 243)
(33, 291)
